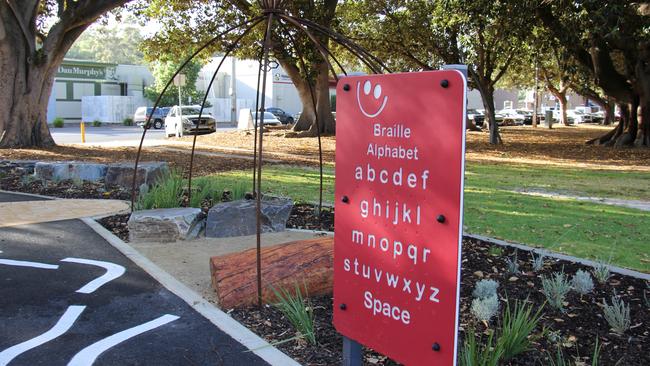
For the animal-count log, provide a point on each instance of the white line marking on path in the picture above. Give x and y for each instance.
(65, 322)
(11, 262)
(113, 271)
(88, 355)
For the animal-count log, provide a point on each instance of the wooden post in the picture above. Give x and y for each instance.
(352, 355)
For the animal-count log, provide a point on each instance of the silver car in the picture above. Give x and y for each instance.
(185, 119)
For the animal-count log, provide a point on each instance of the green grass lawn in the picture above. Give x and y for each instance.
(492, 208)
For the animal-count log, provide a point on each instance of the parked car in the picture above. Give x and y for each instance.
(185, 119)
(269, 119)
(284, 117)
(497, 116)
(580, 116)
(511, 117)
(528, 116)
(557, 116)
(157, 120)
(475, 116)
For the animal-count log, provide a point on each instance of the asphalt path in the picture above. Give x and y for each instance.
(67, 297)
(103, 134)
(112, 135)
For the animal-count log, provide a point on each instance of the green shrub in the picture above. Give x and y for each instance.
(127, 121)
(582, 282)
(485, 309)
(166, 193)
(485, 289)
(217, 190)
(474, 353)
(537, 261)
(601, 271)
(518, 323)
(512, 265)
(617, 315)
(97, 123)
(58, 122)
(298, 310)
(556, 288)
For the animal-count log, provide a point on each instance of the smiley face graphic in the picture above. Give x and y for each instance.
(376, 92)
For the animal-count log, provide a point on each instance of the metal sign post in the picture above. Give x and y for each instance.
(180, 81)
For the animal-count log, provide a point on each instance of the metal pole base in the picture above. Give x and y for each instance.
(351, 352)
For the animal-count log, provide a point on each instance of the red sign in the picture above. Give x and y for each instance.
(400, 145)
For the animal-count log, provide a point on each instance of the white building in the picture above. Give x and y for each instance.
(236, 84)
(110, 92)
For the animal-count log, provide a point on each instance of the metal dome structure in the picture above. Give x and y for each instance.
(272, 13)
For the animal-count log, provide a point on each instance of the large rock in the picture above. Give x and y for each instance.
(26, 166)
(237, 218)
(165, 224)
(70, 170)
(148, 173)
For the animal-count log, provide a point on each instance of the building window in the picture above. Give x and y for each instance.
(111, 89)
(82, 90)
(61, 90)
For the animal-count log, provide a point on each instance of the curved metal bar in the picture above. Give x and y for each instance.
(265, 50)
(148, 121)
(257, 107)
(205, 98)
(320, 47)
(313, 100)
(340, 39)
(374, 68)
(319, 44)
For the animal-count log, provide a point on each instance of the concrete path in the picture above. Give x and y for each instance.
(70, 298)
(636, 204)
(34, 212)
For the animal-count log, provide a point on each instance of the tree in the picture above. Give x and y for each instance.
(30, 54)
(612, 41)
(163, 72)
(194, 22)
(111, 44)
(421, 35)
(555, 69)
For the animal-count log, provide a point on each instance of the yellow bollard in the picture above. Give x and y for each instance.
(83, 132)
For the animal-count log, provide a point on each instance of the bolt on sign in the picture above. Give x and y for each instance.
(400, 146)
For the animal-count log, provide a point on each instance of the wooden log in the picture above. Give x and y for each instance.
(308, 263)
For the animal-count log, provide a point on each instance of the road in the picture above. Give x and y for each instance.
(112, 135)
(103, 134)
(69, 298)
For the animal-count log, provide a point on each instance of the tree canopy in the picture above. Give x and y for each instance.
(117, 43)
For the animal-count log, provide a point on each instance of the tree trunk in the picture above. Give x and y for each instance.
(306, 263)
(563, 102)
(306, 124)
(628, 137)
(608, 109)
(25, 86)
(486, 89)
(488, 103)
(643, 137)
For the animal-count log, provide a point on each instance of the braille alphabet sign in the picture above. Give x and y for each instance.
(400, 145)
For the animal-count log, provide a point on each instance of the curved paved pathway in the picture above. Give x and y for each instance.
(69, 298)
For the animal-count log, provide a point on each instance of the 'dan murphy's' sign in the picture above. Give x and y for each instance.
(400, 142)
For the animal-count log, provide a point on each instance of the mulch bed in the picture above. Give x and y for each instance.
(575, 330)
(20, 180)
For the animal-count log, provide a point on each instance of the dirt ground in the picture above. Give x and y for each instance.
(561, 146)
